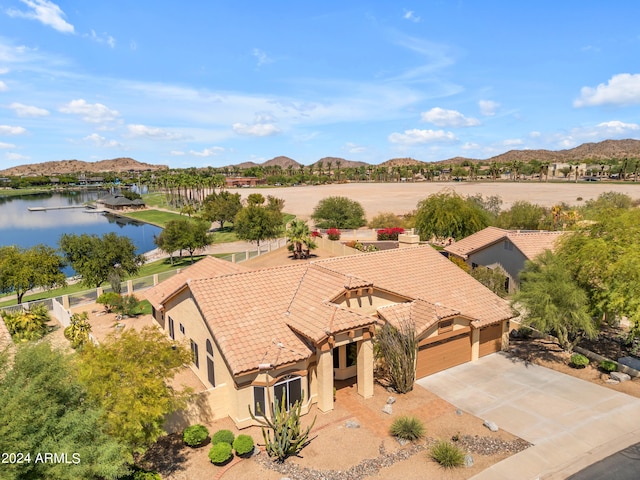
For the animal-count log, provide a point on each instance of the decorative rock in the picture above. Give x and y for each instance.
(468, 460)
(490, 425)
(611, 381)
(621, 377)
(352, 424)
(402, 441)
(388, 409)
(632, 362)
(391, 390)
(391, 400)
(459, 412)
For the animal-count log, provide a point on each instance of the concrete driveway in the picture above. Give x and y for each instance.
(571, 423)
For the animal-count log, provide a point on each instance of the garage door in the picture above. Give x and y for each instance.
(490, 339)
(439, 355)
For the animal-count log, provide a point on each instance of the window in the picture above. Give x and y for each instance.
(172, 332)
(508, 245)
(336, 357)
(194, 350)
(182, 329)
(210, 371)
(154, 312)
(258, 401)
(289, 389)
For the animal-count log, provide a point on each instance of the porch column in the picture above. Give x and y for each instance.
(365, 366)
(325, 377)
(475, 344)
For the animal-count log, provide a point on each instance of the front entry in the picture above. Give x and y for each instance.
(345, 361)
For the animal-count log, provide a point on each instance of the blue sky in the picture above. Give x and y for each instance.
(221, 82)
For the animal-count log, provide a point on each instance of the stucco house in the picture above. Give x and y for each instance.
(290, 331)
(120, 202)
(495, 247)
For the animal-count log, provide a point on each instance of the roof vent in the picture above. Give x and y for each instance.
(264, 366)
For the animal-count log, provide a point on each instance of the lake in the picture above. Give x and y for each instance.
(19, 226)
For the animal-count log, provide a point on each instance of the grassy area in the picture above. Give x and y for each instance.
(155, 217)
(22, 191)
(158, 200)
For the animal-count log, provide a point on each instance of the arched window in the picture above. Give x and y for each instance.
(289, 388)
(210, 371)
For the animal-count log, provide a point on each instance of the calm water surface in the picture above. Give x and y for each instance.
(19, 226)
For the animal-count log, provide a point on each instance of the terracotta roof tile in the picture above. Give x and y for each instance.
(420, 313)
(532, 244)
(205, 268)
(483, 238)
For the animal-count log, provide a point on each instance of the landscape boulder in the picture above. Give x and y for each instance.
(491, 425)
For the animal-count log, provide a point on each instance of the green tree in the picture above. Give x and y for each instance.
(522, 215)
(79, 329)
(492, 278)
(257, 222)
(298, 234)
(604, 258)
(338, 212)
(96, 258)
(553, 302)
(24, 269)
(447, 214)
(221, 207)
(45, 409)
(607, 204)
(386, 220)
(128, 376)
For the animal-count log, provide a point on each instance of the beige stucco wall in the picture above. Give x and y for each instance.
(368, 304)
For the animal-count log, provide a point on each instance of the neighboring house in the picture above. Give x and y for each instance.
(287, 332)
(509, 249)
(118, 202)
(244, 181)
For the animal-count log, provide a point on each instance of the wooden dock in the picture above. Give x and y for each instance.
(60, 207)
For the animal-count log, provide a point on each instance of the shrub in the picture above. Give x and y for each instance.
(195, 435)
(525, 332)
(608, 366)
(144, 475)
(579, 361)
(222, 436)
(447, 454)
(316, 234)
(25, 325)
(79, 329)
(243, 445)
(408, 428)
(220, 453)
(389, 233)
(333, 234)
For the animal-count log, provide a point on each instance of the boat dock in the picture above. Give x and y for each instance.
(60, 207)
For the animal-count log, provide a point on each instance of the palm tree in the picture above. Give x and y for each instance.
(338, 163)
(298, 234)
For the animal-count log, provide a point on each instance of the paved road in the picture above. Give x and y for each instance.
(624, 465)
(571, 423)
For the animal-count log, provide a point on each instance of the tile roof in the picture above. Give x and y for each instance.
(207, 267)
(530, 242)
(275, 315)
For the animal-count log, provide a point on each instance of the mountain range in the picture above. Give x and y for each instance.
(587, 152)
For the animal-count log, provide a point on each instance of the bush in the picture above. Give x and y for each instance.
(243, 445)
(608, 366)
(525, 332)
(408, 428)
(579, 361)
(389, 233)
(223, 436)
(195, 435)
(25, 325)
(144, 475)
(447, 454)
(333, 234)
(220, 452)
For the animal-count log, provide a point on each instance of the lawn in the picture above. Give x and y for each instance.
(22, 191)
(155, 217)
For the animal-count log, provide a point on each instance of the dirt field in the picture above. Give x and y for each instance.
(401, 198)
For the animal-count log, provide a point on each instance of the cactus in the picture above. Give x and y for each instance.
(282, 433)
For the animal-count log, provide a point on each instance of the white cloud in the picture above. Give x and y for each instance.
(415, 136)
(617, 127)
(512, 142)
(10, 130)
(207, 152)
(91, 113)
(7, 145)
(488, 107)
(28, 110)
(137, 130)
(622, 89)
(471, 146)
(448, 118)
(614, 129)
(263, 58)
(256, 130)
(104, 39)
(177, 153)
(535, 134)
(101, 141)
(410, 15)
(4, 71)
(46, 12)
(15, 156)
(3, 86)
(354, 148)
